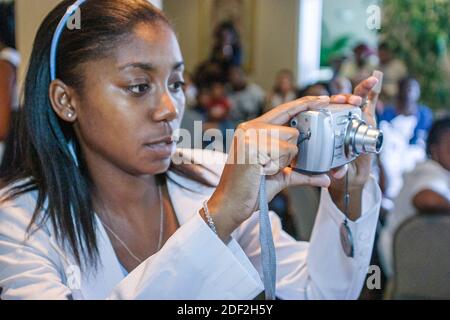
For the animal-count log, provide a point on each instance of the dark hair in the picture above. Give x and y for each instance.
(305, 91)
(42, 157)
(7, 24)
(437, 130)
(405, 81)
(284, 72)
(226, 26)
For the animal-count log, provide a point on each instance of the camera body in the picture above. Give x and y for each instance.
(332, 137)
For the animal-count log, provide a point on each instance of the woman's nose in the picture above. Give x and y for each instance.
(167, 109)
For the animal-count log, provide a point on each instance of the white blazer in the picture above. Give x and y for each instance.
(194, 263)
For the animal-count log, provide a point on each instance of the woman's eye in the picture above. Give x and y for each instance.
(139, 89)
(177, 86)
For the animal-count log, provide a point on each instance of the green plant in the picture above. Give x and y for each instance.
(339, 48)
(418, 32)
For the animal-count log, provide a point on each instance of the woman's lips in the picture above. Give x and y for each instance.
(162, 149)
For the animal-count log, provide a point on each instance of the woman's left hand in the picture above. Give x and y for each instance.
(358, 170)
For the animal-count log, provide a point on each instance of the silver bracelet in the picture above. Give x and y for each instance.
(209, 218)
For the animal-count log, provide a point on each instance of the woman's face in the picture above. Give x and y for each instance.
(440, 152)
(411, 92)
(132, 101)
(285, 83)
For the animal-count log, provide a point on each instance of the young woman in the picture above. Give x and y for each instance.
(95, 210)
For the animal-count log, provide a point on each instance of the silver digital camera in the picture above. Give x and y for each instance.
(332, 137)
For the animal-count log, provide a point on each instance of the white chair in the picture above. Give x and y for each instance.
(422, 258)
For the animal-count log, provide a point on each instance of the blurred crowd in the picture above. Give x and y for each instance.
(413, 169)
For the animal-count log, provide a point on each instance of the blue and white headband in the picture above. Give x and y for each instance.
(57, 36)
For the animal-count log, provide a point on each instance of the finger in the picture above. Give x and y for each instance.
(275, 159)
(285, 112)
(339, 173)
(346, 98)
(266, 130)
(294, 178)
(264, 151)
(270, 169)
(365, 87)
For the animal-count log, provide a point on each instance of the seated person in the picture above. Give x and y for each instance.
(405, 126)
(426, 189)
(100, 208)
(315, 90)
(218, 107)
(408, 106)
(9, 63)
(284, 89)
(247, 98)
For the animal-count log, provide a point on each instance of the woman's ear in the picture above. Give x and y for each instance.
(63, 100)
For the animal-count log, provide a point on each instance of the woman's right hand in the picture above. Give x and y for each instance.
(265, 145)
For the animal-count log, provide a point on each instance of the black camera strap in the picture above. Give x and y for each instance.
(345, 231)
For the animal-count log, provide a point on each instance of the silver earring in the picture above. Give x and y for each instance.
(70, 115)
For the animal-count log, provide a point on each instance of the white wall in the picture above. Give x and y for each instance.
(29, 15)
(185, 15)
(348, 17)
(276, 39)
(309, 41)
(274, 28)
(157, 3)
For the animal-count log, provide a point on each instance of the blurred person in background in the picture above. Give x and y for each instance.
(203, 101)
(190, 91)
(9, 62)
(361, 65)
(247, 98)
(405, 126)
(227, 48)
(193, 111)
(218, 108)
(338, 82)
(226, 52)
(284, 89)
(408, 105)
(393, 69)
(315, 90)
(426, 189)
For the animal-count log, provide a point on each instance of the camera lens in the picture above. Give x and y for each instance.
(373, 141)
(362, 138)
(367, 139)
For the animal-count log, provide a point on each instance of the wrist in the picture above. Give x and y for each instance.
(355, 204)
(223, 225)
